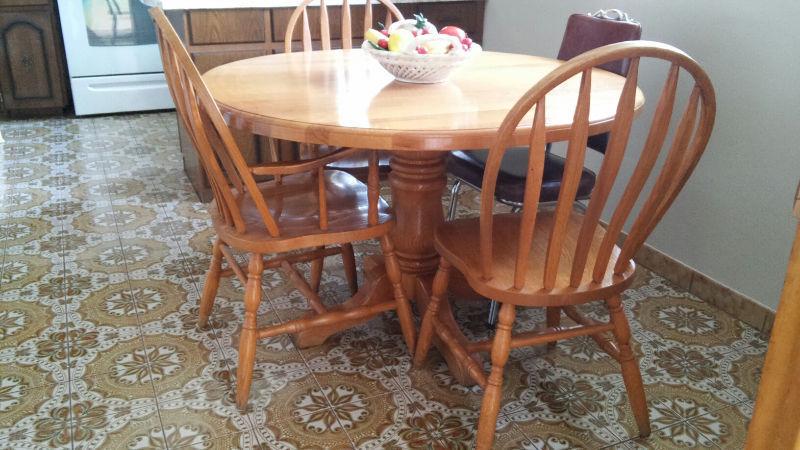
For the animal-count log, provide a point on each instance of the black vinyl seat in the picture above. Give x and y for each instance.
(469, 166)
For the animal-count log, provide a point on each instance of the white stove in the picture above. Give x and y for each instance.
(112, 55)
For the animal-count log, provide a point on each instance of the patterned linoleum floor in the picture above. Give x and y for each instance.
(104, 248)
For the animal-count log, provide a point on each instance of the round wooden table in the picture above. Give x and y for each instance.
(344, 98)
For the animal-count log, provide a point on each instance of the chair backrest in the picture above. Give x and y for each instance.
(229, 175)
(586, 32)
(688, 143)
(392, 14)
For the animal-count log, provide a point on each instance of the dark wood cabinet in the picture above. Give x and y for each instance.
(32, 71)
(215, 37)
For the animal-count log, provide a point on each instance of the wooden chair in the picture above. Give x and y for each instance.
(356, 165)
(583, 32)
(564, 257)
(292, 217)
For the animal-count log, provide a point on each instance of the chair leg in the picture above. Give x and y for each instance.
(349, 263)
(490, 405)
(440, 282)
(211, 285)
(404, 313)
(316, 271)
(249, 335)
(451, 212)
(630, 366)
(553, 320)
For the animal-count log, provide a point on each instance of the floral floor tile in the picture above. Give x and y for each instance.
(681, 435)
(196, 428)
(376, 422)
(304, 424)
(19, 399)
(541, 435)
(235, 441)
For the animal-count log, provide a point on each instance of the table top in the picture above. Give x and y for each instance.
(344, 98)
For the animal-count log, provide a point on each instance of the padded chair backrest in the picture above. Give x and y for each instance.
(687, 145)
(229, 175)
(392, 14)
(586, 32)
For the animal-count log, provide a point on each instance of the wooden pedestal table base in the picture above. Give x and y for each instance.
(418, 180)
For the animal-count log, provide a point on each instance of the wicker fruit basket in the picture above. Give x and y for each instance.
(416, 68)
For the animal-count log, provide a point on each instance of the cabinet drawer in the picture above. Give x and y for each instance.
(227, 26)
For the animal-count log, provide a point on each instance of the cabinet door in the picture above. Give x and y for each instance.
(29, 62)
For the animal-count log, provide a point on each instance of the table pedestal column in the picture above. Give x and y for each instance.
(418, 180)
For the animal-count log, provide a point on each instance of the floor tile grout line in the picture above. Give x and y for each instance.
(69, 343)
(138, 318)
(127, 278)
(173, 237)
(13, 188)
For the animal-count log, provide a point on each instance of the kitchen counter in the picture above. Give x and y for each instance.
(234, 4)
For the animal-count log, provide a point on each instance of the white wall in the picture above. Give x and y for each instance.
(733, 220)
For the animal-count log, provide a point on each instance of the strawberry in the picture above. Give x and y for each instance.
(383, 43)
(383, 29)
(422, 50)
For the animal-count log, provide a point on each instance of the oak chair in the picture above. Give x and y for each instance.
(291, 218)
(583, 32)
(564, 257)
(356, 165)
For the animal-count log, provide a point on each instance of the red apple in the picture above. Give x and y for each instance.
(454, 31)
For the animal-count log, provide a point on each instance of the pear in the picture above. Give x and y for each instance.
(402, 41)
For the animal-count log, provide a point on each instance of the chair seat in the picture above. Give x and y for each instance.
(469, 166)
(295, 207)
(450, 237)
(358, 165)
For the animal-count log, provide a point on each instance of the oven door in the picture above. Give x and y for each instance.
(108, 37)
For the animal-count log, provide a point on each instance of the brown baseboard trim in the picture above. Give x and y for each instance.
(707, 289)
